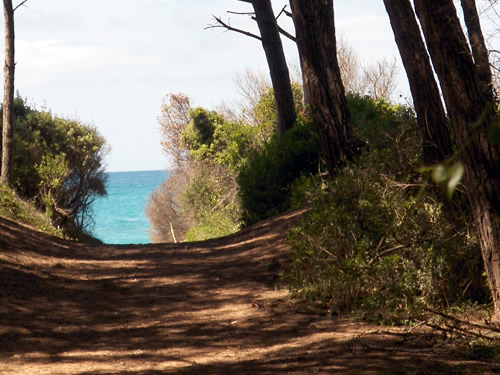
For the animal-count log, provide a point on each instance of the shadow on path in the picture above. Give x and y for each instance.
(212, 307)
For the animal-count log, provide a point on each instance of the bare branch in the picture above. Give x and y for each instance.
(287, 34)
(282, 31)
(241, 13)
(228, 27)
(20, 4)
(280, 13)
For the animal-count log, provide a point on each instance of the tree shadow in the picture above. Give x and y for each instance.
(198, 308)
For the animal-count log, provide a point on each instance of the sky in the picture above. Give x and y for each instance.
(109, 63)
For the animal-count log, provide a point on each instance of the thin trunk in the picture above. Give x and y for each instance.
(479, 50)
(280, 77)
(424, 89)
(472, 114)
(8, 101)
(315, 34)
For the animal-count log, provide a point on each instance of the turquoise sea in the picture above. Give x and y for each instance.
(120, 217)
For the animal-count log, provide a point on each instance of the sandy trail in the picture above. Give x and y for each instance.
(214, 307)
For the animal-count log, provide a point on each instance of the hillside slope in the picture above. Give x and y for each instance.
(212, 307)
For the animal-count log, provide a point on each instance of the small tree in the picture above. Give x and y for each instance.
(378, 79)
(174, 119)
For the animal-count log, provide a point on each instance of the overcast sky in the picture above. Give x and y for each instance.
(109, 63)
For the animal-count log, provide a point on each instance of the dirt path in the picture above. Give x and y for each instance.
(203, 308)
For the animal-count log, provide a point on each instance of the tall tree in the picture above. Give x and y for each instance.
(8, 101)
(424, 89)
(478, 46)
(315, 36)
(475, 122)
(278, 68)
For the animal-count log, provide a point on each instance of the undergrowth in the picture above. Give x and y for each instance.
(377, 238)
(14, 208)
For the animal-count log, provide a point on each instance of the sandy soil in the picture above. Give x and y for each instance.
(214, 307)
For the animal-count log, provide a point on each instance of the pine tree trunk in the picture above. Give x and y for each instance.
(315, 33)
(472, 114)
(8, 101)
(424, 89)
(479, 50)
(280, 77)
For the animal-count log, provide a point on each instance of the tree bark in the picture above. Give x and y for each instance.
(8, 101)
(472, 114)
(479, 50)
(424, 89)
(278, 68)
(315, 34)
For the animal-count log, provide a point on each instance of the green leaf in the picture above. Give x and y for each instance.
(448, 178)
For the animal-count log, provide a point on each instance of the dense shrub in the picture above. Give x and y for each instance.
(212, 150)
(201, 201)
(265, 114)
(270, 176)
(58, 163)
(266, 180)
(210, 138)
(211, 200)
(374, 239)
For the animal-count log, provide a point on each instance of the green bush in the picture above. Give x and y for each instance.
(266, 115)
(217, 148)
(373, 240)
(211, 201)
(266, 180)
(58, 163)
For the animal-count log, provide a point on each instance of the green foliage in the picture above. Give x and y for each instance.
(266, 115)
(52, 171)
(379, 122)
(368, 242)
(218, 148)
(266, 180)
(211, 200)
(210, 137)
(446, 177)
(58, 163)
(200, 133)
(16, 209)
(271, 180)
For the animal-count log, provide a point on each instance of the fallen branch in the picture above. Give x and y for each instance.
(475, 325)
(398, 349)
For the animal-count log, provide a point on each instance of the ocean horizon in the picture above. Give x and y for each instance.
(120, 218)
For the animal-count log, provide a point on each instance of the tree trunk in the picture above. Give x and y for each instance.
(472, 114)
(315, 33)
(271, 42)
(424, 89)
(479, 50)
(8, 101)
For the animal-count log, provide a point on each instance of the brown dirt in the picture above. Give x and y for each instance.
(214, 307)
